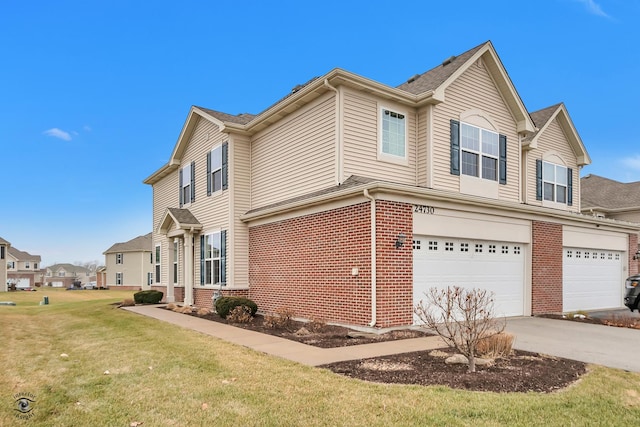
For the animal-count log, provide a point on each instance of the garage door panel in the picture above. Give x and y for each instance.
(592, 279)
(494, 266)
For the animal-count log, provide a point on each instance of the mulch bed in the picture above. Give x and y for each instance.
(519, 372)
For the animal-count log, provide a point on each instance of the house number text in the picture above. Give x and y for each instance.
(424, 209)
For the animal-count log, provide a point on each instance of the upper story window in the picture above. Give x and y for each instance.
(61, 273)
(27, 265)
(393, 136)
(554, 183)
(35, 265)
(11, 265)
(118, 258)
(217, 168)
(187, 184)
(554, 178)
(478, 152)
(2, 252)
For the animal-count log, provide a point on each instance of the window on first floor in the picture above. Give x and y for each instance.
(213, 258)
(118, 278)
(393, 134)
(119, 258)
(157, 265)
(175, 262)
(149, 278)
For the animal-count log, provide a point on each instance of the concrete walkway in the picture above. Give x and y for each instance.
(603, 345)
(287, 349)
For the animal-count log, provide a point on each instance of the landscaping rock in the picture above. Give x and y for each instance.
(459, 359)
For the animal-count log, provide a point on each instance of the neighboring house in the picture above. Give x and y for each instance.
(129, 265)
(101, 277)
(4, 251)
(347, 199)
(65, 275)
(23, 269)
(606, 198)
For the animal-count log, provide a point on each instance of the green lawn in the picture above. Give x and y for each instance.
(162, 375)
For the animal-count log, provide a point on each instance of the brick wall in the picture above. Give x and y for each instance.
(305, 264)
(203, 298)
(546, 274)
(633, 248)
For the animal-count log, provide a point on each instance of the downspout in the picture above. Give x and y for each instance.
(338, 118)
(374, 312)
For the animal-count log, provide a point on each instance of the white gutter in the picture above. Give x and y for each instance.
(374, 312)
(338, 172)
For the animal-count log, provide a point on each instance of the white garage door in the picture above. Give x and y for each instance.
(592, 279)
(57, 284)
(22, 283)
(496, 266)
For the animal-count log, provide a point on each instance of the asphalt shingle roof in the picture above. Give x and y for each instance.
(23, 256)
(138, 244)
(184, 216)
(596, 191)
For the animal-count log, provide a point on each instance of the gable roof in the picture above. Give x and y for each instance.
(23, 256)
(543, 118)
(137, 244)
(4, 242)
(607, 195)
(69, 268)
(182, 218)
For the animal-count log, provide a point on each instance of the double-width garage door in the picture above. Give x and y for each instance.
(496, 266)
(592, 279)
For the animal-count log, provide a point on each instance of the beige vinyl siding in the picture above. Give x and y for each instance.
(238, 237)
(165, 195)
(296, 156)
(474, 89)
(553, 140)
(361, 142)
(422, 149)
(134, 268)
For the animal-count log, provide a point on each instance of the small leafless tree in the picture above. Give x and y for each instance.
(461, 317)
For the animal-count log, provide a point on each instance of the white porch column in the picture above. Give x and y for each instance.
(188, 268)
(171, 295)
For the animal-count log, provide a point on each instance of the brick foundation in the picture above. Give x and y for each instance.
(546, 274)
(305, 264)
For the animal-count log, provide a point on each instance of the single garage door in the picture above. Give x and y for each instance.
(592, 279)
(23, 283)
(496, 266)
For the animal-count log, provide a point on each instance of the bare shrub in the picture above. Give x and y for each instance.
(622, 321)
(499, 345)
(240, 314)
(282, 319)
(128, 303)
(171, 306)
(316, 325)
(187, 309)
(203, 311)
(461, 317)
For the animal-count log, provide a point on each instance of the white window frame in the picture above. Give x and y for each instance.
(209, 257)
(119, 279)
(158, 264)
(186, 184)
(554, 182)
(216, 156)
(175, 261)
(119, 258)
(27, 265)
(385, 133)
(481, 152)
(149, 278)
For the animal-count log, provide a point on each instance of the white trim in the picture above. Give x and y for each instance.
(387, 157)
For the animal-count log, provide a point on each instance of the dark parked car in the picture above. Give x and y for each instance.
(632, 297)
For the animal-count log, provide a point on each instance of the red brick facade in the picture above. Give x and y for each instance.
(633, 248)
(305, 264)
(546, 274)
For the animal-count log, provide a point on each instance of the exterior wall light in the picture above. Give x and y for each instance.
(400, 240)
(636, 256)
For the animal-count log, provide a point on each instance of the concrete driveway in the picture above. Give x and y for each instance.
(603, 345)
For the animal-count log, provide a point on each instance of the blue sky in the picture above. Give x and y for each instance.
(93, 94)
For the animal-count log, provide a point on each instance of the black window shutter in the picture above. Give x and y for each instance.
(569, 186)
(193, 182)
(225, 165)
(538, 179)
(223, 257)
(455, 147)
(202, 259)
(180, 187)
(208, 173)
(503, 159)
